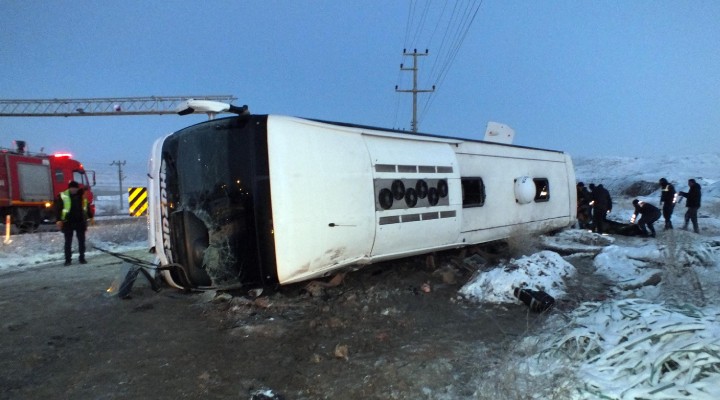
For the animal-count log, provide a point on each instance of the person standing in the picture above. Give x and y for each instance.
(72, 215)
(667, 200)
(650, 214)
(583, 206)
(602, 205)
(693, 204)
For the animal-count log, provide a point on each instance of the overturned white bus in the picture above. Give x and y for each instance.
(264, 200)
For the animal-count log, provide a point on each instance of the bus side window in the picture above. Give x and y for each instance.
(542, 189)
(473, 192)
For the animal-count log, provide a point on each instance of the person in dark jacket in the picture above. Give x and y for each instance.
(667, 200)
(72, 216)
(649, 215)
(602, 205)
(693, 204)
(583, 206)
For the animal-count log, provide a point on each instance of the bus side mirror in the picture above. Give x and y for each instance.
(92, 173)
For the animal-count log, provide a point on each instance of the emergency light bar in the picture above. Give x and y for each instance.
(62, 155)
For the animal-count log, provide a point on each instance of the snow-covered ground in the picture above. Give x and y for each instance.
(657, 337)
(27, 251)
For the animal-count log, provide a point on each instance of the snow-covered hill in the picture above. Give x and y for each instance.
(620, 174)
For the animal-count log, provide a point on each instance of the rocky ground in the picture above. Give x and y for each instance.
(395, 330)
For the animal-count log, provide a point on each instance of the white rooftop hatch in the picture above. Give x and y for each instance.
(499, 133)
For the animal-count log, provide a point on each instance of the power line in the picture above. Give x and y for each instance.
(421, 23)
(438, 22)
(454, 23)
(460, 34)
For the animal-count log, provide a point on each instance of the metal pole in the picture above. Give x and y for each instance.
(7, 229)
(120, 180)
(414, 90)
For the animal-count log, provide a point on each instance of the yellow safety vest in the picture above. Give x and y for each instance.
(65, 196)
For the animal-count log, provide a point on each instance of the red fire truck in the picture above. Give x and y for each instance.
(29, 183)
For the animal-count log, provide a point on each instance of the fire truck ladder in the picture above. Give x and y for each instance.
(153, 105)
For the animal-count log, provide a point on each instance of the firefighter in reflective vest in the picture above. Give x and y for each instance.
(72, 217)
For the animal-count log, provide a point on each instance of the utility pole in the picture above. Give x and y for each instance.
(120, 179)
(414, 90)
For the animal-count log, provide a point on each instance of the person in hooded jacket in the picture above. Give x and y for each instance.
(602, 205)
(667, 200)
(72, 216)
(584, 211)
(693, 204)
(649, 215)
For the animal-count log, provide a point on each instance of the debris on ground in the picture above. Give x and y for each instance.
(537, 300)
(342, 352)
(317, 288)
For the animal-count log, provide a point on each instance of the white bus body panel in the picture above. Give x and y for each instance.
(322, 202)
(158, 238)
(325, 180)
(502, 216)
(154, 223)
(410, 232)
(323, 184)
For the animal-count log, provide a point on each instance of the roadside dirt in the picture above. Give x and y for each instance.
(379, 334)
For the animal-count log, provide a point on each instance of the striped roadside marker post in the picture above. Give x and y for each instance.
(137, 201)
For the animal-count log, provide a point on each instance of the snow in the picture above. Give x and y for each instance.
(638, 349)
(28, 251)
(657, 337)
(635, 262)
(544, 271)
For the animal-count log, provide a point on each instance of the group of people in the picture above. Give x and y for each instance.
(594, 204)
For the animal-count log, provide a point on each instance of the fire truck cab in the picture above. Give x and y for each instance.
(29, 183)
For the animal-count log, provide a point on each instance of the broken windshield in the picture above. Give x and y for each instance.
(211, 180)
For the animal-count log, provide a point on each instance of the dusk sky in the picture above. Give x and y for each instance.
(592, 78)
